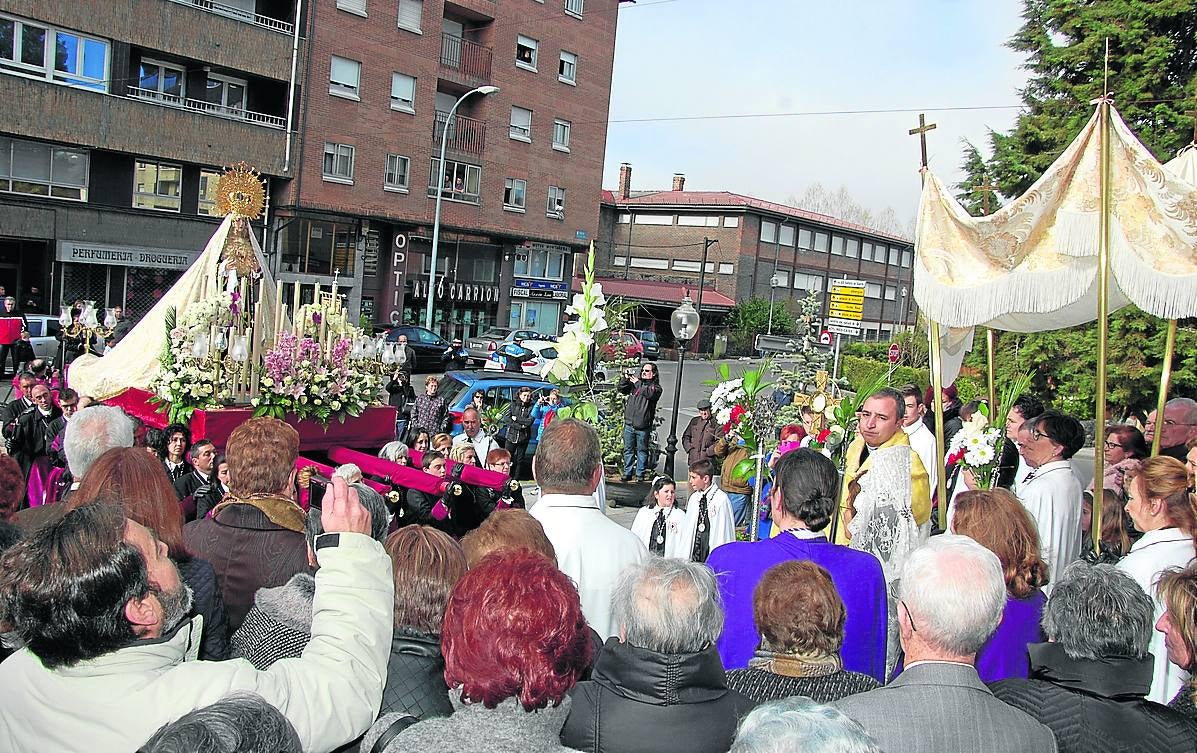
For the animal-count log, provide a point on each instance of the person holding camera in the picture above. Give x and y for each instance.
(643, 388)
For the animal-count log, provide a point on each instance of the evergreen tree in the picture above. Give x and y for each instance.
(976, 173)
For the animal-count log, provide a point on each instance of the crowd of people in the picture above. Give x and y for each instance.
(159, 593)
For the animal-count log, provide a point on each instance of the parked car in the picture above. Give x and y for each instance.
(433, 352)
(622, 344)
(648, 338)
(482, 346)
(499, 388)
(535, 354)
(42, 329)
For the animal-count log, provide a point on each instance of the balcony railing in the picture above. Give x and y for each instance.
(207, 108)
(467, 58)
(465, 134)
(266, 22)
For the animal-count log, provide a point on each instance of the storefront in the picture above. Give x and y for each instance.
(466, 295)
(540, 287)
(133, 277)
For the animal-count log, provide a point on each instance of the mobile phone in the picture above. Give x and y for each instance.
(317, 485)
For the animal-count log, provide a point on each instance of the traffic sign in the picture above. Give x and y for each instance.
(842, 330)
(895, 352)
(825, 337)
(842, 322)
(847, 302)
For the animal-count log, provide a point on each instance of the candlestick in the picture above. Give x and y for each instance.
(295, 309)
(278, 310)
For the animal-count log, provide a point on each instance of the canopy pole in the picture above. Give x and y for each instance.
(1165, 380)
(941, 482)
(1103, 325)
(990, 377)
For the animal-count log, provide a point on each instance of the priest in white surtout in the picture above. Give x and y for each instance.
(1051, 491)
(710, 522)
(922, 440)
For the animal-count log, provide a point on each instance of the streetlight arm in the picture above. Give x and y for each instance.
(440, 192)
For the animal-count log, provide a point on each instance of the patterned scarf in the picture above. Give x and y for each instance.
(800, 664)
(281, 511)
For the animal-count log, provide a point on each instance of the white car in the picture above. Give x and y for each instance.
(42, 328)
(536, 354)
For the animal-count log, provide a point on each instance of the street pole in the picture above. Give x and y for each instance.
(440, 192)
(671, 443)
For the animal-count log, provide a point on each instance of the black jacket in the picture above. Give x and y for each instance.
(1096, 706)
(519, 423)
(640, 701)
(401, 396)
(641, 409)
(416, 676)
(201, 577)
(32, 436)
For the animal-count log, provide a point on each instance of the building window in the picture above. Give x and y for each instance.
(804, 238)
(411, 13)
(786, 235)
(872, 290)
(879, 253)
(731, 222)
(514, 191)
(546, 264)
(561, 135)
(403, 93)
(895, 256)
(574, 7)
(357, 7)
(567, 69)
(343, 77)
(821, 242)
(226, 92)
(653, 219)
(768, 231)
(890, 293)
(207, 192)
(460, 181)
(624, 218)
(853, 248)
(837, 245)
(698, 220)
(156, 185)
(521, 124)
(29, 167)
(808, 282)
(556, 204)
(907, 258)
(317, 247)
(396, 176)
(161, 81)
(338, 163)
(866, 250)
(681, 265)
(37, 50)
(525, 52)
(726, 269)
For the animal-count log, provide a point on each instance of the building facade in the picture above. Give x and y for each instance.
(120, 119)
(523, 166)
(660, 237)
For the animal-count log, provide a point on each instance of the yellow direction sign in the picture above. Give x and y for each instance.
(847, 300)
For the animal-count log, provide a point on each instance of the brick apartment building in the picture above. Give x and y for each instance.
(650, 249)
(119, 116)
(523, 168)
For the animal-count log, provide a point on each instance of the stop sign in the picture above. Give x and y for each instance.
(894, 352)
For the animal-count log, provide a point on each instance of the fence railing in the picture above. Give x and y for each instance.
(207, 108)
(465, 134)
(470, 59)
(266, 22)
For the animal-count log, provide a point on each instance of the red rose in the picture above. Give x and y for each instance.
(823, 435)
(737, 412)
(956, 457)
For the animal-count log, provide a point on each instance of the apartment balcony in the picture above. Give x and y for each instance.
(466, 135)
(464, 62)
(244, 16)
(134, 125)
(207, 108)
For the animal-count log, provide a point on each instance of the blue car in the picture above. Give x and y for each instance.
(499, 387)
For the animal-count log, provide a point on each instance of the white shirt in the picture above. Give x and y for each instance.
(719, 512)
(591, 549)
(1155, 552)
(482, 442)
(1052, 494)
(675, 530)
(922, 441)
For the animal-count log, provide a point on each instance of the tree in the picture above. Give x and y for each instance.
(1152, 72)
(976, 173)
(842, 206)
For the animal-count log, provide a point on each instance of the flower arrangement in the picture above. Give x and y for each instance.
(299, 379)
(184, 383)
(745, 412)
(570, 366)
(976, 448)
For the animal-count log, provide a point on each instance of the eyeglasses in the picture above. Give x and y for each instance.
(909, 616)
(1113, 446)
(1169, 422)
(1038, 434)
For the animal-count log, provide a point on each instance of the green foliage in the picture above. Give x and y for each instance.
(1152, 71)
(976, 173)
(860, 372)
(751, 317)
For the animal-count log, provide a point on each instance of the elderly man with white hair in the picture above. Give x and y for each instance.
(798, 723)
(660, 686)
(1177, 428)
(953, 594)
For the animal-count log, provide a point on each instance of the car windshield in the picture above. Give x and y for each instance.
(648, 337)
(499, 332)
(451, 388)
(549, 353)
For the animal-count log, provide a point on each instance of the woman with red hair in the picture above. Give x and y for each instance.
(138, 479)
(515, 642)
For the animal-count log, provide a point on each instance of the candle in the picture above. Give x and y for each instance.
(278, 308)
(295, 309)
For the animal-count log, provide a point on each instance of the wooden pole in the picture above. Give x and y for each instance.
(1103, 312)
(990, 347)
(936, 353)
(1165, 380)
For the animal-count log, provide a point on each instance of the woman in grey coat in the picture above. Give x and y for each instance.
(515, 642)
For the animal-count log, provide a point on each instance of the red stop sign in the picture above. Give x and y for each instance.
(894, 352)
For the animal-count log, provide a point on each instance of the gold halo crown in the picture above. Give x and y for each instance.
(240, 192)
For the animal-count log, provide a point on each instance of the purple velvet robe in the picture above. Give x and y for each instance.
(857, 576)
(1004, 655)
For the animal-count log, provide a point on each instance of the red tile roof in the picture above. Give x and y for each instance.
(651, 291)
(728, 199)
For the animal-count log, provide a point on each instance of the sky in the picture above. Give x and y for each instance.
(714, 57)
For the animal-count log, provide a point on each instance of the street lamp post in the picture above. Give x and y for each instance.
(684, 323)
(774, 284)
(440, 190)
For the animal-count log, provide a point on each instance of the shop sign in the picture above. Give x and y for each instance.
(83, 252)
(370, 250)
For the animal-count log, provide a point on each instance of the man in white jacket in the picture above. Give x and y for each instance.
(110, 655)
(591, 548)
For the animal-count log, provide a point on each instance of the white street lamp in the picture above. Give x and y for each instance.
(440, 190)
(774, 284)
(684, 322)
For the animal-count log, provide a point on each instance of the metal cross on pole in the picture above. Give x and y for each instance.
(985, 189)
(921, 132)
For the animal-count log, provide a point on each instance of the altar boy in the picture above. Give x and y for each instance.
(710, 522)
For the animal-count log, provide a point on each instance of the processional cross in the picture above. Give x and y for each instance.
(921, 132)
(985, 189)
(821, 400)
